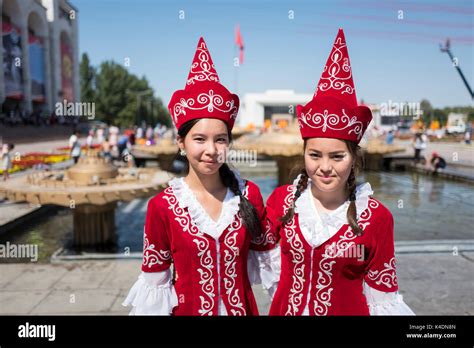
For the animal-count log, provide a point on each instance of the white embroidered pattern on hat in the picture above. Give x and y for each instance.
(326, 120)
(205, 69)
(209, 101)
(331, 78)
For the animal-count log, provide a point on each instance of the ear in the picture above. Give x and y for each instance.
(180, 142)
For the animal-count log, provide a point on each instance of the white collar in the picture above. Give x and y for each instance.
(318, 227)
(199, 216)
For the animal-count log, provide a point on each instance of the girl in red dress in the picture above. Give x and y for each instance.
(208, 224)
(336, 240)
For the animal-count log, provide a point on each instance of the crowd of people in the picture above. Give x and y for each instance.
(18, 117)
(115, 143)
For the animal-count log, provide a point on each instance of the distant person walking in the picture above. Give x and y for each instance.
(75, 146)
(419, 144)
(389, 138)
(6, 160)
(467, 135)
(90, 139)
(105, 148)
(100, 135)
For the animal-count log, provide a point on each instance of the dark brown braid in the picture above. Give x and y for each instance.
(352, 210)
(300, 187)
(246, 209)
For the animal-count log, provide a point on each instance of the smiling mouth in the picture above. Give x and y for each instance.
(325, 178)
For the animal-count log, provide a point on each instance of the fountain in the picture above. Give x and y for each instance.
(91, 188)
(285, 146)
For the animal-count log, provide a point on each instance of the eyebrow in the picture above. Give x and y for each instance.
(331, 153)
(205, 136)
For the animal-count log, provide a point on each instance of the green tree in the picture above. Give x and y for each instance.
(124, 99)
(87, 79)
(427, 109)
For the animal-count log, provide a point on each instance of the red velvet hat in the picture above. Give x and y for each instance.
(203, 96)
(333, 112)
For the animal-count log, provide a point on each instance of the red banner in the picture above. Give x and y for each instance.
(12, 59)
(66, 71)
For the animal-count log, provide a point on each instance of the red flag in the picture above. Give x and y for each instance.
(240, 43)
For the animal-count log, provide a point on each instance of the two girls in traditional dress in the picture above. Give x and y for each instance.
(322, 246)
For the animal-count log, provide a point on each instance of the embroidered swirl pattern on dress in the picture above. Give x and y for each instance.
(205, 259)
(338, 72)
(230, 273)
(230, 242)
(335, 122)
(266, 237)
(151, 256)
(322, 300)
(387, 276)
(297, 251)
(203, 69)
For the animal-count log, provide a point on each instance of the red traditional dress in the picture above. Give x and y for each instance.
(210, 257)
(326, 269)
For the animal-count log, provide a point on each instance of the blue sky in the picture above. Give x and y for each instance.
(392, 59)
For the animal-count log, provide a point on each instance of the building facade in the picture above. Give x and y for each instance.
(40, 55)
(258, 107)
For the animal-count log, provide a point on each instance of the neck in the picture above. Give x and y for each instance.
(329, 200)
(210, 183)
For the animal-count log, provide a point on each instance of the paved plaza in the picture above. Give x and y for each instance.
(431, 283)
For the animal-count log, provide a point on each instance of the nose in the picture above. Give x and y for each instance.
(325, 166)
(211, 148)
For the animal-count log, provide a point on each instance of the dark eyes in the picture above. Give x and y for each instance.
(220, 140)
(335, 157)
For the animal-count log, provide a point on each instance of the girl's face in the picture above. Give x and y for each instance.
(328, 163)
(206, 145)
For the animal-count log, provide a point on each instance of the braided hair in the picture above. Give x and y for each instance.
(355, 151)
(246, 210)
(300, 186)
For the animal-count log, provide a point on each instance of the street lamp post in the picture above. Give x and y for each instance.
(447, 49)
(139, 94)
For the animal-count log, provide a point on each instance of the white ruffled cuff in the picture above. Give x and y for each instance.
(152, 294)
(264, 267)
(385, 303)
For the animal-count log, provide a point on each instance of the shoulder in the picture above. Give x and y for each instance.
(162, 200)
(252, 188)
(379, 209)
(379, 216)
(282, 193)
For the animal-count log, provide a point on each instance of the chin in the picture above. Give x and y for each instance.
(327, 187)
(207, 170)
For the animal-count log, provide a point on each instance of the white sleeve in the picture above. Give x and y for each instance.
(264, 267)
(152, 294)
(385, 303)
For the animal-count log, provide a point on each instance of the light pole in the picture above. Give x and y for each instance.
(139, 94)
(447, 49)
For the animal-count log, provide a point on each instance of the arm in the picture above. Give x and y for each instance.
(380, 282)
(264, 255)
(153, 292)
